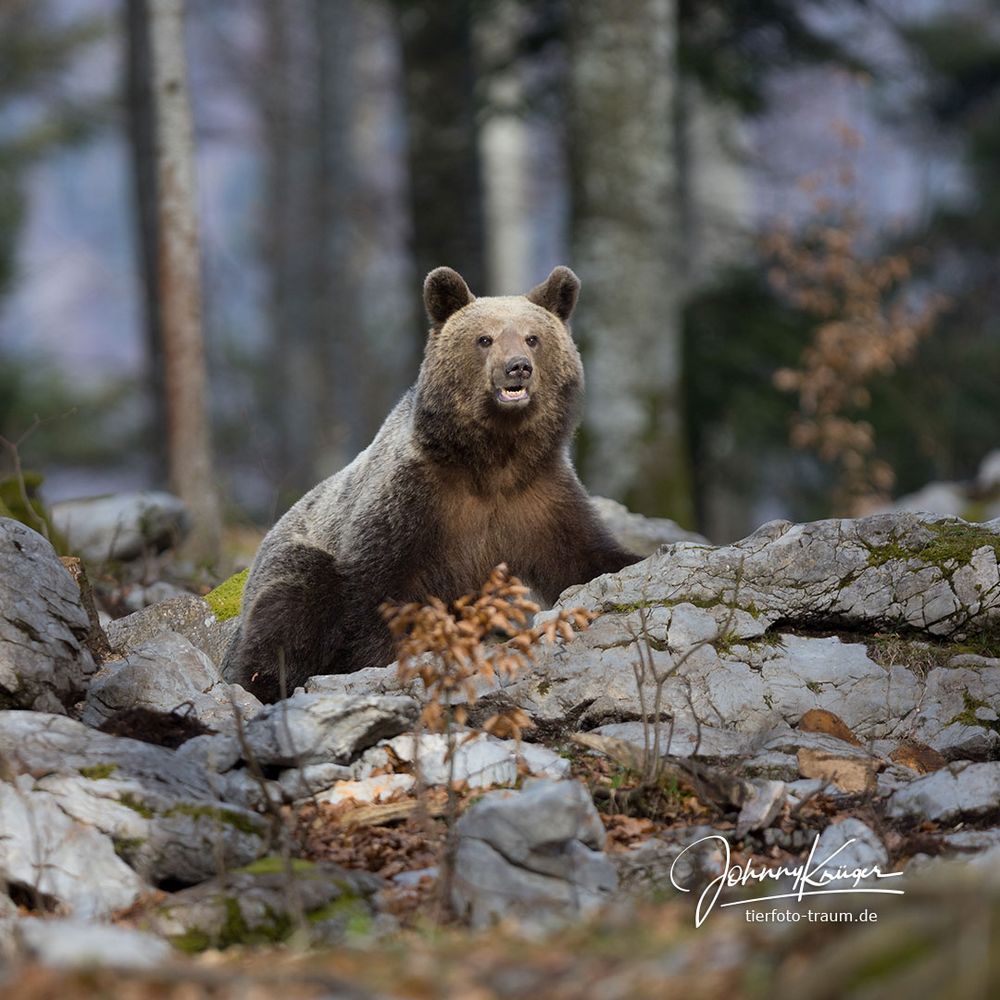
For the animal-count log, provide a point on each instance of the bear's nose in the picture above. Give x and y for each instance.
(518, 368)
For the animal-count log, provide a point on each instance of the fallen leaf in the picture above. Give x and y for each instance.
(819, 720)
(918, 757)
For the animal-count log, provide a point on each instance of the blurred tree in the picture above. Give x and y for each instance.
(946, 405)
(39, 115)
(441, 97)
(327, 85)
(142, 146)
(189, 454)
(623, 81)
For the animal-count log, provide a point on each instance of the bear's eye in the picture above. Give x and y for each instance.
(531, 341)
(485, 341)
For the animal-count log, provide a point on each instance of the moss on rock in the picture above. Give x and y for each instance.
(952, 545)
(97, 771)
(225, 600)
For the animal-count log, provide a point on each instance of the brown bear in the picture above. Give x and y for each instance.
(471, 469)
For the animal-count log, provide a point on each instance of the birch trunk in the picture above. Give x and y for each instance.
(623, 77)
(189, 456)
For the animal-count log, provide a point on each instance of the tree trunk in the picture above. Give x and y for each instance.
(142, 143)
(443, 138)
(626, 249)
(189, 453)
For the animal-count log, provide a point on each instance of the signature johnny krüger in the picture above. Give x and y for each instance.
(811, 879)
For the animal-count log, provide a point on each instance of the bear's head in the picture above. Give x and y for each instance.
(497, 367)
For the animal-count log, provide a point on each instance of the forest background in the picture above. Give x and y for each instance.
(786, 218)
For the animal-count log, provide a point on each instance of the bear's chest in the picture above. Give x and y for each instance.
(474, 532)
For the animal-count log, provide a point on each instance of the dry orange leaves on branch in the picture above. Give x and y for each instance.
(447, 647)
(870, 320)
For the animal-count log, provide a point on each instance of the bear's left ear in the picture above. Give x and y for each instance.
(557, 293)
(445, 292)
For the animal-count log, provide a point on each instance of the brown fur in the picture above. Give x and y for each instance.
(459, 479)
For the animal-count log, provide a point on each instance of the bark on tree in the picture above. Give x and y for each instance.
(189, 453)
(625, 237)
(335, 231)
(142, 144)
(443, 138)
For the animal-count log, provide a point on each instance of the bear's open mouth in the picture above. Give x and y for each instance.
(512, 394)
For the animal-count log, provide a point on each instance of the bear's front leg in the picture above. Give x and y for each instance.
(292, 629)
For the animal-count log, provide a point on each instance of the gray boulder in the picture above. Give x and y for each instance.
(160, 810)
(164, 675)
(851, 845)
(537, 855)
(260, 904)
(960, 790)
(121, 526)
(76, 943)
(58, 858)
(187, 615)
(321, 729)
(637, 533)
(929, 574)
(44, 664)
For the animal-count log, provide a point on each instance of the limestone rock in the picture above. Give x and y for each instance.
(259, 905)
(58, 857)
(536, 855)
(76, 943)
(121, 526)
(164, 675)
(320, 729)
(480, 762)
(187, 615)
(637, 533)
(852, 845)
(922, 572)
(161, 808)
(959, 790)
(44, 664)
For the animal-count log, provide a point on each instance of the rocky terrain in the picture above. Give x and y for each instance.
(837, 680)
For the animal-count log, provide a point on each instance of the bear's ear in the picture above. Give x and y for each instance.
(445, 292)
(557, 293)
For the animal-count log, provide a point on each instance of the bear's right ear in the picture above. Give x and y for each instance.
(445, 292)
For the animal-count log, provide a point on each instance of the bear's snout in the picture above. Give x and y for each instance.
(518, 368)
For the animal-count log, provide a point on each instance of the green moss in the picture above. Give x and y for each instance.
(192, 942)
(724, 644)
(698, 602)
(968, 717)
(348, 910)
(243, 823)
(272, 864)
(136, 805)
(925, 653)
(879, 555)
(982, 644)
(226, 598)
(125, 847)
(958, 542)
(235, 930)
(952, 545)
(33, 513)
(97, 771)
(814, 686)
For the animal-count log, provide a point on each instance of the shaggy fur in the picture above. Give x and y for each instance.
(469, 470)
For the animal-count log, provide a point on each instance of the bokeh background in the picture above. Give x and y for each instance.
(785, 214)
